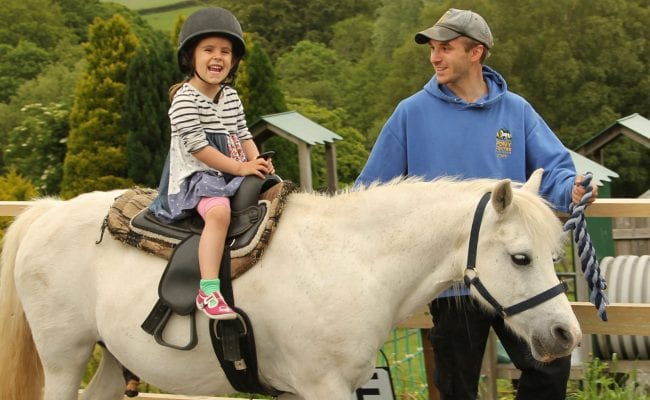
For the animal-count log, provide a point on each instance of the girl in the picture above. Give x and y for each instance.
(211, 149)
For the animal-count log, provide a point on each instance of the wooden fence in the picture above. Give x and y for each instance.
(623, 318)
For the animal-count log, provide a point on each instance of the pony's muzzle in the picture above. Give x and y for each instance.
(560, 342)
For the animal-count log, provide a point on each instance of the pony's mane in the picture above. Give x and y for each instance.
(472, 185)
(538, 218)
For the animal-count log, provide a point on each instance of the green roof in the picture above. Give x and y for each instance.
(636, 123)
(584, 164)
(636, 127)
(295, 124)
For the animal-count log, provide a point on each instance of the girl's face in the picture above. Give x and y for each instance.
(213, 60)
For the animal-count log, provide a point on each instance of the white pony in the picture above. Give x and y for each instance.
(339, 274)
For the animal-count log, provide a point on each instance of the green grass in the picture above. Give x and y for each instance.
(143, 4)
(165, 21)
(404, 356)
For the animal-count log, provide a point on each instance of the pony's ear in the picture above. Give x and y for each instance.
(532, 185)
(502, 195)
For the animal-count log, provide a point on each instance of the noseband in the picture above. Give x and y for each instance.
(471, 273)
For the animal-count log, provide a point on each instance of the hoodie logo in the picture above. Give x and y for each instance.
(504, 143)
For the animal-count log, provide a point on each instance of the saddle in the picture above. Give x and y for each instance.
(255, 211)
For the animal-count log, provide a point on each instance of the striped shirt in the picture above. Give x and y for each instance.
(193, 116)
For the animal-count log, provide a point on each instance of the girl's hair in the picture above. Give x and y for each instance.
(174, 88)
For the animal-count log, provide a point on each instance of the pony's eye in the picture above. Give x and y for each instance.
(520, 259)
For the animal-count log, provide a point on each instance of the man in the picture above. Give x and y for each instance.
(465, 123)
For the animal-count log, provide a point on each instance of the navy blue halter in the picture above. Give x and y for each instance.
(474, 279)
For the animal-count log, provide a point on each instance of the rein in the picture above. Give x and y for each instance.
(588, 260)
(471, 273)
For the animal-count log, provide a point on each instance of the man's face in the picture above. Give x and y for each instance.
(451, 60)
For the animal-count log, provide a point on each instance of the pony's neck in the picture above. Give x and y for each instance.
(421, 243)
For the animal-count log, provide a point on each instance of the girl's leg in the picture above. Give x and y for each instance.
(216, 214)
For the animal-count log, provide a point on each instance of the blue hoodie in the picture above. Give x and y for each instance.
(433, 133)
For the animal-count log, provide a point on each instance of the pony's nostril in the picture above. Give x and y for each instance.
(562, 335)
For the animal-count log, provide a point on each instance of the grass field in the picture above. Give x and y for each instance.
(165, 18)
(165, 21)
(144, 4)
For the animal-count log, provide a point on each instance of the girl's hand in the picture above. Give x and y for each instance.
(258, 167)
(270, 166)
(268, 156)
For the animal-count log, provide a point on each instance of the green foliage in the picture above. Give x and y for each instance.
(311, 71)
(633, 163)
(96, 157)
(600, 384)
(151, 71)
(259, 88)
(350, 37)
(54, 85)
(36, 147)
(358, 57)
(38, 21)
(15, 187)
(77, 15)
(311, 20)
(19, 64)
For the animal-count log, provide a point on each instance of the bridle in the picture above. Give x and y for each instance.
(471, 273)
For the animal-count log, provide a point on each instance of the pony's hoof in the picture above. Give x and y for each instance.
(132, 389)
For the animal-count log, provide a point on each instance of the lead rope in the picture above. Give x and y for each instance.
(586, 251)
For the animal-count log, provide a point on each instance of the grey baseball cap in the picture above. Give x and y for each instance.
(455, 23)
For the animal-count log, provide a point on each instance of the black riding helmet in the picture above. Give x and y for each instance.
(209, 21)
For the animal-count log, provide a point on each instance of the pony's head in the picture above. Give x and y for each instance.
(520, 240)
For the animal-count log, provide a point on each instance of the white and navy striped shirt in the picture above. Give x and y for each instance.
(193, 116)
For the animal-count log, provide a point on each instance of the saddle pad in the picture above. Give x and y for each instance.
(130, 203)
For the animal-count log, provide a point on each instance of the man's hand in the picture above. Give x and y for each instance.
(579, 191)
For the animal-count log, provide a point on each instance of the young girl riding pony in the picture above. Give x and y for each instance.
(211, 149)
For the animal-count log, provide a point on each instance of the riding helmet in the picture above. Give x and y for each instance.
(207, 21)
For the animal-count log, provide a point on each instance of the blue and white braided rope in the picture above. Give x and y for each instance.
(586, 251)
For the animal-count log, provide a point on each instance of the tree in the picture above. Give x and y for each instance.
(78, 14)
(37, 21)
(96, 155)
(15, 187)
(151, 71)
(262, 86)
(19, 64)
(311, 70)
(311, 20)
(36, 147)
(53, 86)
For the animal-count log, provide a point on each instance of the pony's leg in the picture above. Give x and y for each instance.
(108, 382)
(63, 371)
